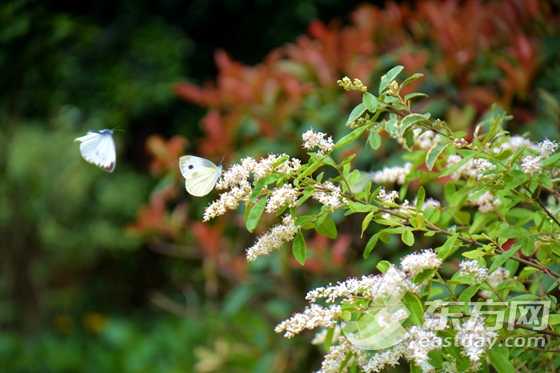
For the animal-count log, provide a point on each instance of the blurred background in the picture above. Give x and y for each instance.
(109, 272)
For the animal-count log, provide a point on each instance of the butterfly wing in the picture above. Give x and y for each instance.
(98, 147)
(200, 174)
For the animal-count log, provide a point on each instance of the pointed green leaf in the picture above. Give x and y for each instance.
(255, 214)
(298, 248)
(356, 113)
(350, 137)
(365, 222)
(327, 228)
(499, 358)
(389, 77)
(370, 102)
(370, 245)
(434, 153)
(501, 259)
(411, 96)
(375, 140)
(414, 306)
(420, 198)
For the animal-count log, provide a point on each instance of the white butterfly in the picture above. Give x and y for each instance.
(98, 147)
(200, 174)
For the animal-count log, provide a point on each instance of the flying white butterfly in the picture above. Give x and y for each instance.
(98, 147)
(200, 174)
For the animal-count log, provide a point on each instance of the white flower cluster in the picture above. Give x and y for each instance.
(415, 263)
(286, 195)
(390, 357)
(337, 356)
(369, 287)
(395, 174)
(314, 140)
(273, 239)
(313, 317)
(486, 202)
(475, 339)
(423, 139)
(495, 278)
(419, 341)
(384, 197)
(546, 148)
(471, 267)
(474, 168)
(513, 143)
(329, 195)
(531, 165)
(236, 179)
(420, 344)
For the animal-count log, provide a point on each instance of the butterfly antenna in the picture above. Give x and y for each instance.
(223, 158)
(118, 129)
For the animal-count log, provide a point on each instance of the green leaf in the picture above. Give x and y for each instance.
(414, 305)
(365, 222)
(468, 293)
(445, 250)
(375, 140)
(389, 77)
(370, 245)
(528, 245)
(420, 198)
(411, 79)
(312, 167)
(354, 177)
(391, 125)
(413, 95)
(411, 119)
(329, 338)
(307, 192)
(407, 237)
(370, 102)
(298, 248)
(303, 220)
(356, 113)
(551, 160)
(434, 153)
(327, 228)
(383, 266)
(499, 358)
(408, 137)
(501, 259)
(474, 254)
(360, 207)
(350, 137)
(255, 214)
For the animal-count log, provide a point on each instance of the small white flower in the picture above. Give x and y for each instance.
(395, 174)
(474, 338)
(314, 140)
(546, 148)
(273, 239)
(513, 143)
(531, 165)
(329, 195)
(471, 267)
(417, 262)
(384, 197)
(286, 195)
(486, 202)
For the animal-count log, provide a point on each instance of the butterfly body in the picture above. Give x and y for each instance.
(200, 174)
(98, 148)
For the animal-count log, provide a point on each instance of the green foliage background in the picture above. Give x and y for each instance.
(78, 292)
